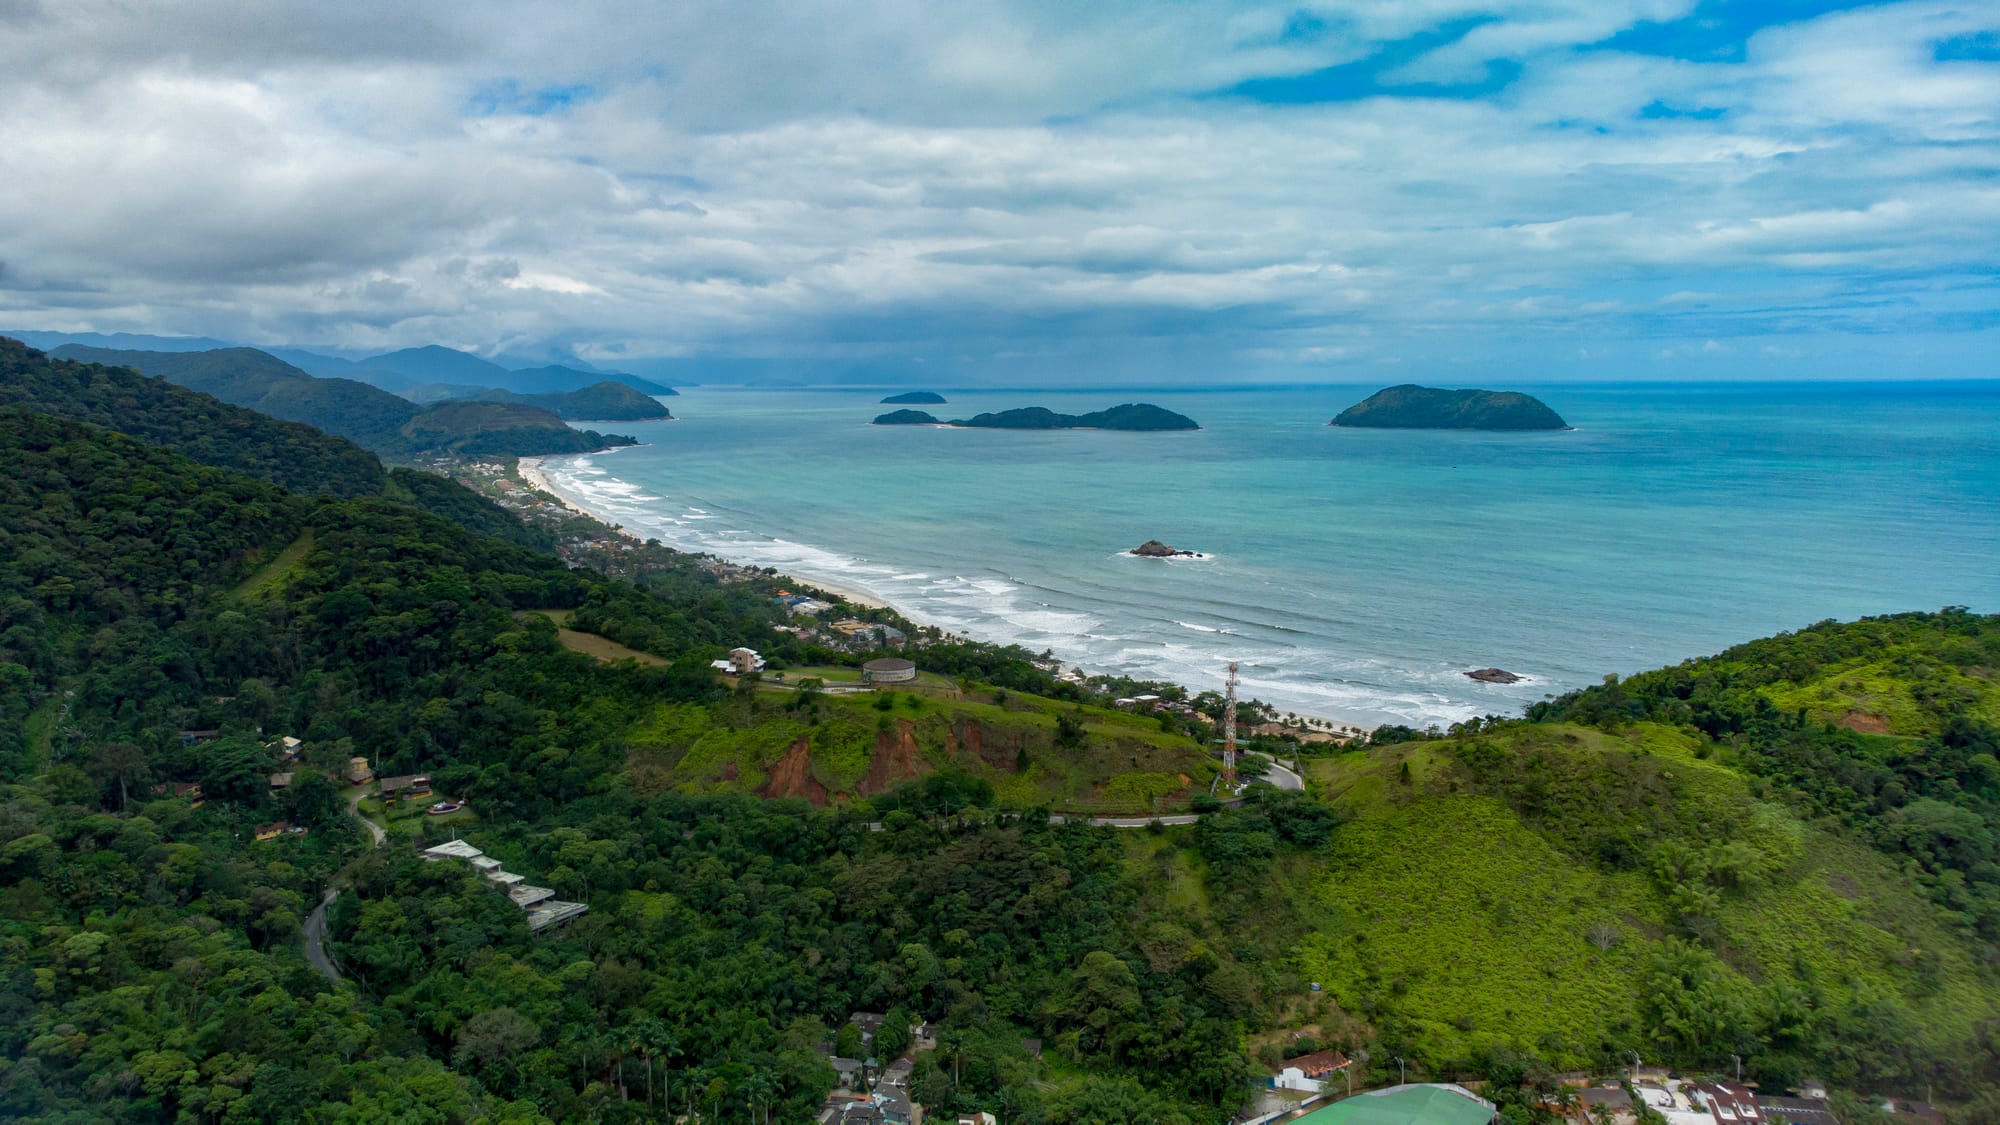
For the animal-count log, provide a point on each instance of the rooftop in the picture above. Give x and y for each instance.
(1415, 1104)
(454, 849)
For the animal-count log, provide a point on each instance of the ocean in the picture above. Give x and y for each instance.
(1356, 575)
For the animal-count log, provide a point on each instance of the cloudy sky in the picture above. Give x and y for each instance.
(1041, 192)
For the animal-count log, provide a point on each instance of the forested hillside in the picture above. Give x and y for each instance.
(367, 415)
(1782, 854)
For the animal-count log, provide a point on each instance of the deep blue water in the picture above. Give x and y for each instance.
(1356, 574)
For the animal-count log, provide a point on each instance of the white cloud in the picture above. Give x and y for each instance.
(889, 177)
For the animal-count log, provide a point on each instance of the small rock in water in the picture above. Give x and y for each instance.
(1494, 676)
(1154, 549)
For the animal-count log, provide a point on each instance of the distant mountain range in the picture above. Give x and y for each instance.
(367, 415)
(414, 373)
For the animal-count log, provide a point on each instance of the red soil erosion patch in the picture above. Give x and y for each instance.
(895, 760)
(791, 776)
(969, 737)
(1864, 723)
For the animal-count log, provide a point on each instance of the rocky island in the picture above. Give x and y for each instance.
(1410, 407)
(924, 398)
(1154, 549)
(1493, 676)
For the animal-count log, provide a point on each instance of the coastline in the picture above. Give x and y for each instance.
(530, 471)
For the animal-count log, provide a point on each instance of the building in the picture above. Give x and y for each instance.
(741, 662)
(889, 670)
(405, 786)
(540, 904)
(280, 781)
(1613, 1098)
(1727, 1104)
(1415, 1104)
(1798, 1111)
(1309, 1072)
(198, 737)
(358, 771)
(281, 828)
(189, 791)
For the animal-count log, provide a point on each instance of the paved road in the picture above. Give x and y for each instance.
(314, 927)
(315, 933)
(1280, 777)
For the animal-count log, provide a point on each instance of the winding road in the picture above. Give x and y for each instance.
(313, 929)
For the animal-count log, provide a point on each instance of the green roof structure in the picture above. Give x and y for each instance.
(1424, 1104)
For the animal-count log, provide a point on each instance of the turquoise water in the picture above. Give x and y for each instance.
(1355, 574)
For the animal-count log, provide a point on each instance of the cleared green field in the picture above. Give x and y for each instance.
(272, 576)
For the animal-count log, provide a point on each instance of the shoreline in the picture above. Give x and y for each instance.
(530, 471)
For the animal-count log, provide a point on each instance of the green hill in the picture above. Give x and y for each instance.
(368, 416)
(604, 401)
(472, 427)
(1411, 407)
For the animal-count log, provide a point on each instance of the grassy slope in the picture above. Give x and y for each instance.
(1455, 916)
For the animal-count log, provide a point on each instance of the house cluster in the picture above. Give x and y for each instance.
(1705, 1103)
(543, 908)
(870, 1092)
(1154, 705)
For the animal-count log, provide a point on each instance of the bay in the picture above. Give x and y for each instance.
(1354, 574)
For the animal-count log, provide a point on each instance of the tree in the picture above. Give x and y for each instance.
(117, 761)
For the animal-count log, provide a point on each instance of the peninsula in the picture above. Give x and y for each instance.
(907, 398)
(1410, 407)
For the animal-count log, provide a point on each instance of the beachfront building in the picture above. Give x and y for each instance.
(889, 670)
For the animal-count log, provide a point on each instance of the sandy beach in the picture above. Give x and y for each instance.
(530, 471)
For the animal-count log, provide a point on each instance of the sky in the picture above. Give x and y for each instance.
(1457, 191)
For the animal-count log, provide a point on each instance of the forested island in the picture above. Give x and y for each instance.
(1134, 416)
(920, 398)
(1411, 407)
(1785, 857)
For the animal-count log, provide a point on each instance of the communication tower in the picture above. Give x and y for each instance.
(1229, 728)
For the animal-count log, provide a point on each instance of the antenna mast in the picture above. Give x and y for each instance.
(1229, 728)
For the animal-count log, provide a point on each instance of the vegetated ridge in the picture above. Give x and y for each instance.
(369, 416)
(606, 401)
(1429, 408)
